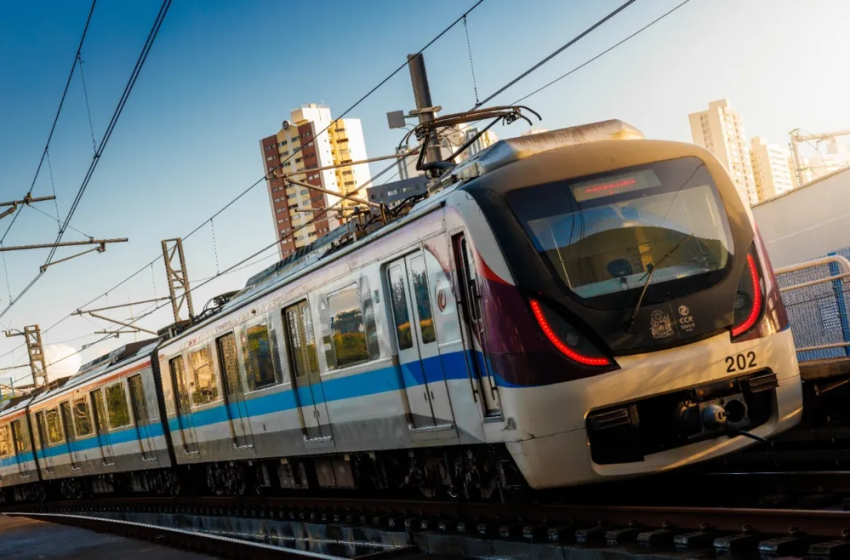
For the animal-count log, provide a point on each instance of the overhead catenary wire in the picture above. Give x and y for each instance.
(557, 51)
(265, 176)
(44, 153)
(603, 53)
(247, 190)
(337, 119)
(100, 149)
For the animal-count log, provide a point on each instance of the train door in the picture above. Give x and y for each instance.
(21, 442)
(70, 437)
(101, 427)
(418, 353)
(234, 396)
(307, 382)
(470, 303)
(140, 413)
(41, 425)
(181, 399)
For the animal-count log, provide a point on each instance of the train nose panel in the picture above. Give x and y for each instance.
(629, 432)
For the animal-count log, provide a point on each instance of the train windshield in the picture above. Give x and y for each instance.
(603, 235)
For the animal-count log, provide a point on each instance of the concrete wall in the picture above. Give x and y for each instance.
(807, 222)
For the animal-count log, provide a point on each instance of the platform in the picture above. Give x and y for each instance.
(822, 369)
(25, 539)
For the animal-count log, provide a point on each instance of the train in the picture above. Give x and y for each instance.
(564, 308)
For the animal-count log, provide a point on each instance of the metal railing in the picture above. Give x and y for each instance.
(817, 302)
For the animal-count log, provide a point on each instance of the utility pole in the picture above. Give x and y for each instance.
(38, 367)
(424, 106)
(178, 278)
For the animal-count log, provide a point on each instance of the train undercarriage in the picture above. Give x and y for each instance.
(474, 472)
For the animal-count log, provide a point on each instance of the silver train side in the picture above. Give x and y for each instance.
(444, 353)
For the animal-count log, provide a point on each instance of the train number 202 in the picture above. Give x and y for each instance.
(740, 362)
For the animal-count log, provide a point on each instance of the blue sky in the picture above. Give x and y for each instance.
(224, 74)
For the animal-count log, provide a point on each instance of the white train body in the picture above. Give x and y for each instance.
(542, 314)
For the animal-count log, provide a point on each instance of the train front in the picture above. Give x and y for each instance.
(633, 321)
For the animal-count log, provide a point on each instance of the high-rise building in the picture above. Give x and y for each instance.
(294, 206)
(771, 169)
(720, 130)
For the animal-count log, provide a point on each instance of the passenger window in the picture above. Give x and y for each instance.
(258, 357)
(116, 406)
(302, 343)
(398, 300)
(67, 421)
(206, 389)
(369, 319)
(137, 397)
(181, 393)
(348, 332)
(423, 300)
(22, 440)
(42, 429)
(100, 411)
(5, 442)
(82, 418)
(54, 427)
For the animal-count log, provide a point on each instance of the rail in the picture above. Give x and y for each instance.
(830, 307)
(509, 530)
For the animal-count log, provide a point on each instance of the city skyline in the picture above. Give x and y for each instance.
(182, 152)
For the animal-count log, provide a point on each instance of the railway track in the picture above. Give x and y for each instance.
(443, 527)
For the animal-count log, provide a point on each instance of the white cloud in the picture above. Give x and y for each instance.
(64, 368)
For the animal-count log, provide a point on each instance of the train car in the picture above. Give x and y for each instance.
(564, 308)
(645, 329)
(101, 430)
(19, 473)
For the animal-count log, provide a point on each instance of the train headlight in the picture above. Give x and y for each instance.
(749, 298)
(567, 339)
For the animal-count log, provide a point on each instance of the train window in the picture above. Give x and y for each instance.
(258, 357)
(181, 393)
(137, 396)
(42, 429)
(99, 411)
(348, 333)
(369, 319)
(398, 300)
(205, 386)
(19, 432)
(82, 418)
(302, 343)
(116, 406)
(423, 300)
(6, 448)
(54, 427)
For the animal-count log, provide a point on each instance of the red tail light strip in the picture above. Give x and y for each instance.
(565, 350)
(757, 299)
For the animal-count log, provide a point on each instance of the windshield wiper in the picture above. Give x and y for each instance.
(652, 268)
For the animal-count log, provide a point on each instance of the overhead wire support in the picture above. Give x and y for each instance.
(27, 200)
(119, 305)
(178, 277)
(35, 350)
(63, 244)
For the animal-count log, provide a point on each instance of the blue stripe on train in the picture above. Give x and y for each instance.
(453, 365)
(374, 382)
(124, 435)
